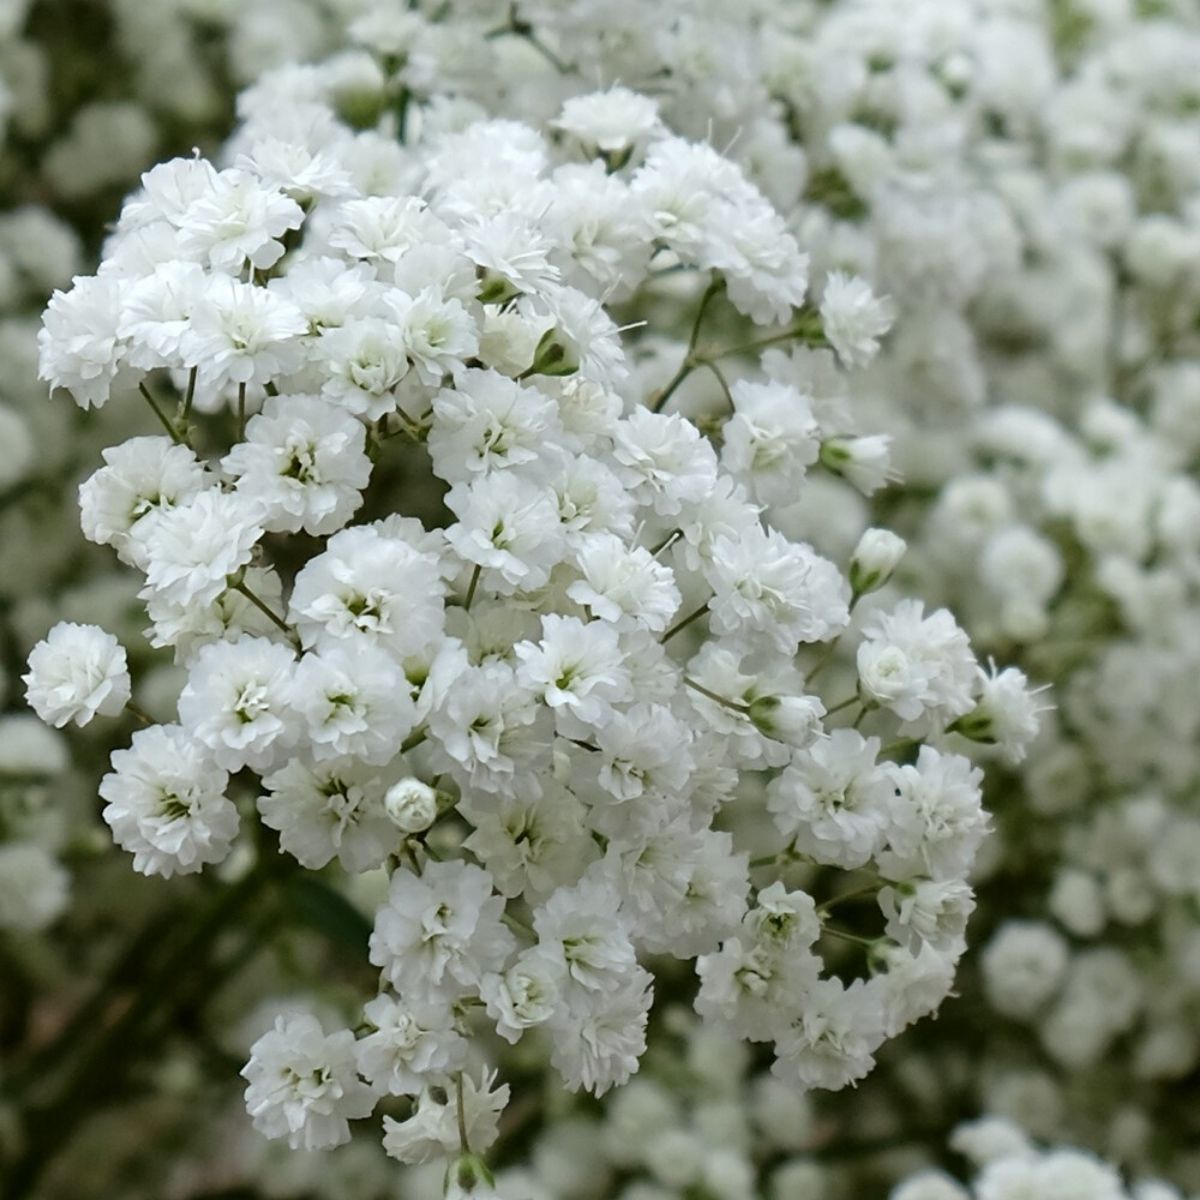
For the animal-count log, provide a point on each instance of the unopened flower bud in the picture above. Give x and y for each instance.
(495, 288)
(555, 355)
(875, 558)
(411, 805)
(790, 719)
(864, 462)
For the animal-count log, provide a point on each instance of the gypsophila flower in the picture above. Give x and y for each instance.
(408, 1046)
(241, 334)
(303, 465)
(327, 809)
(853, 318)
(611, 121)
(76, 673)
(442, 945)
(302, 1084)
(141, 477)
(238, 702)
(920, 667)
(79, 347)
(166, 804)
(191, 550)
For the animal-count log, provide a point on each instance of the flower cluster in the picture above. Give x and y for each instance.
(510, 707)
(635, 677)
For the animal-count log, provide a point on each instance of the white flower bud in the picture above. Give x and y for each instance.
(411, 805)
(875, 558)
(864, 461)
(554, 354)
(790, 719)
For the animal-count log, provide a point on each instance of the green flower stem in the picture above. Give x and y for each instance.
(268, 612)
(166, 421)
(685, 622)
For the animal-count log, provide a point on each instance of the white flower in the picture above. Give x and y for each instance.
(509, 526)
(355, 703)
(988, 1138)
(795, 720)
(929, 1185)
(364, 362)
(832, 799)
(186, 627)
(779, 590)
(525, 995)
(238, 219)
(600, 1035)
(664, 461)
(487, 422)
(410, 1047)
(372, 586)
(645, 748)
(329, 809)
(1069, 1174)
(156, 311)
(191, 550)
(303, 465)
(611, 121)
(439, 333)
(1005, 714)
(1023, 966)
(302, 1084)
(433, 1130)
(626, 587)
(485, 726)
(440, 932)
(935, 819)
(76, 673)
(242, 334)
(922, 911)
(831, 1039)
(79, 347)
(865, 461)
(166, 803)
(141, 477)
(915, 984)
(512, 253)
(920, 667)
(168, 190)
(854, 318)
(577, 667)
(237, 702)
(328, 291)
(384, 227)
(580, 929)
(531, 842)
(590, 499)
(771, 439)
